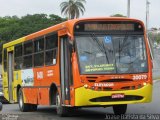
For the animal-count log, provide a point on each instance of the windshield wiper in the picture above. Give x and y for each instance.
(100, 46)
(123, 44)
(87, 52)
(121, 47)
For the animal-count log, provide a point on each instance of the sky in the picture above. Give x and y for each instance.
(94, 8)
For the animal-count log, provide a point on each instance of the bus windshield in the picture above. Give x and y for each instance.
(110, 54)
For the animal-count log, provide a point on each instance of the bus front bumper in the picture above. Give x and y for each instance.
(88, 97)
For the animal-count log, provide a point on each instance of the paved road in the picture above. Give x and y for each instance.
(49, 113)
(156, 64)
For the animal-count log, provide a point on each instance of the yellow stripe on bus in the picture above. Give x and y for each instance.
(12, 43)
(83, 96)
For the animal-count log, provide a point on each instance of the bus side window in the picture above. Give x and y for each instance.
(39, 52)
(51, 49)
(18, 59)
(28, 50)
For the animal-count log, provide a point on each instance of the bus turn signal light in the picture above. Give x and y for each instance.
(85, 86)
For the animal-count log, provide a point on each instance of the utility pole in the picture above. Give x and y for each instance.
(147, 14)
(128, 8)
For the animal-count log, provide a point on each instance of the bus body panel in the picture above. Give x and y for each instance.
(17, 81)
(10, 48)
(5, 85)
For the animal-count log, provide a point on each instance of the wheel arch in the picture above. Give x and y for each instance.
(52, 93)
(18, 87)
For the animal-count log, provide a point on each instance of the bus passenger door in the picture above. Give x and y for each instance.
(66, 75)
(10, 75)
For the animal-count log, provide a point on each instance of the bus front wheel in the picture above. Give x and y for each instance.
(61, 110)
(120, 109)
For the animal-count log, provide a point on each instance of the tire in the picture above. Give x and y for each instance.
(1, 106)
(33, 107)
(22, 106)
(120, 109)
(61, 110)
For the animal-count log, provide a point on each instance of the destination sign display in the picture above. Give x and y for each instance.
(108, 26)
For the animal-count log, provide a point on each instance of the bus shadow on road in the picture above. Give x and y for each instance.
(85, 113)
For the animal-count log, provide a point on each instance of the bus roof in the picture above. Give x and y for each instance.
(68, 25)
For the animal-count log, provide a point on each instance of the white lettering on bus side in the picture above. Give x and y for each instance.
(40, 75)
(50, 73)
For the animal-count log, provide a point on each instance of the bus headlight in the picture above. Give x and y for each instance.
(85, 86)
(144, 83)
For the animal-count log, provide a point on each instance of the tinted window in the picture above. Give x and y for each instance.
(27, 61)
(51, 49)
(39, 52)
(51, 57)
(18, 50)
(39, 45)
(39, 59)
(18, 63)
(51, 41)
(28, 47)
(5, 59)
(5, 54)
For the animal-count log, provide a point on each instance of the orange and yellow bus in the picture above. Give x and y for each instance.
(94, 62)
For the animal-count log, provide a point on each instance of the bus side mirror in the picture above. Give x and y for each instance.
(73, 46)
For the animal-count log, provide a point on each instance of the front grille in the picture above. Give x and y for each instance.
(107, 89)
(125, 88)
(110, 99)
(91, 80)
(91, 77)
(117, 80)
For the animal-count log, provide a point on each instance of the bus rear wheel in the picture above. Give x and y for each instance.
(24, 107)
(120, 109)
(61, 110)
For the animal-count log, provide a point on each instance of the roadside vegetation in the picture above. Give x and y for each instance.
(14, 27)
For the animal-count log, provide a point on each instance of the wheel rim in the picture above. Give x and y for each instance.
(57, 103)
(20, 100)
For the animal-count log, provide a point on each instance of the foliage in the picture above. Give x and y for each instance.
(158, 38)
(154, 28)
(154, 37)
(13, 27)
(118, 15)
(72, 8)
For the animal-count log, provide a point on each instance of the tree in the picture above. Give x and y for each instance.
(155, 37)
(72, 8)
(13, 27)
(118, 15)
